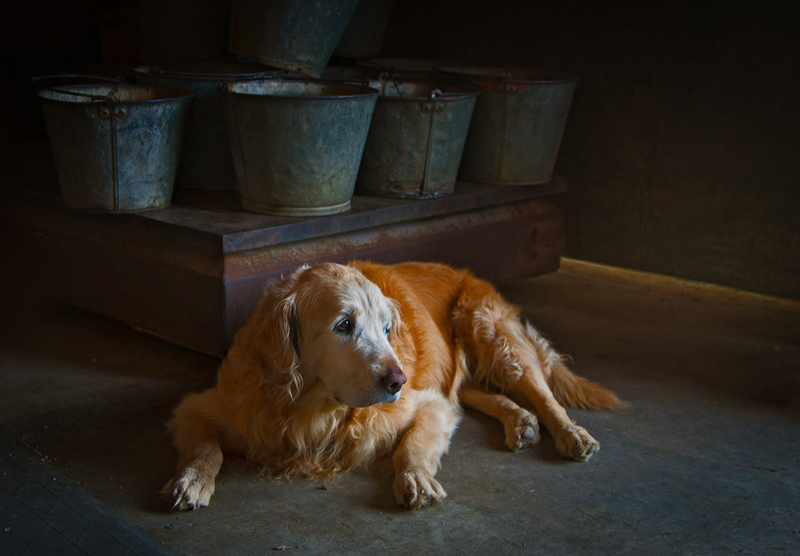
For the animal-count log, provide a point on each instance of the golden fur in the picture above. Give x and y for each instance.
(342, 364)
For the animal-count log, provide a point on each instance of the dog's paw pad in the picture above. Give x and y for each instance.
(575, 443)
(417, 489)
(522, 430)
(189, 490)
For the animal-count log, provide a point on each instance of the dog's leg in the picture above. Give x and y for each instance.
(521, 426)
(509, 356)
(200, 455)
(518, 364)
(421, 448)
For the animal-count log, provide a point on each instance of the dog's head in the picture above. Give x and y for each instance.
(329, 325)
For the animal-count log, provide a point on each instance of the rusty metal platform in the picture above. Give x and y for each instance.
(192, 273)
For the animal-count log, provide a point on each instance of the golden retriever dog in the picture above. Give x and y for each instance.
(341, 365)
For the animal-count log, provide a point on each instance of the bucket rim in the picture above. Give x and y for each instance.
(509, 74)
(189, 75)
(78, 97)
(358, 91)
(465, 89)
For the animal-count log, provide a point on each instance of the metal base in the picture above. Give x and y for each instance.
(192, 273)
(297, 211)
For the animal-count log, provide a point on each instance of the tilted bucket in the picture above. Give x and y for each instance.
(205, 161)
(116, 147)
(295, 35)
(517, 125)
(416, 139)
(297, 144)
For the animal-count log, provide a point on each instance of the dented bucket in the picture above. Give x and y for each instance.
(205, 162)
(297, 144)
(295, 35)
(517, 126)
(416, 138)
(116, 147)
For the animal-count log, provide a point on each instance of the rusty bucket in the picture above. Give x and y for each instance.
(295, 35)
(517, 126)
(206, 162)
(416, 139)
(297, 144)
(116, 147)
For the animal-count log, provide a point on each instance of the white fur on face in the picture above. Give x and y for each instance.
(345, 322)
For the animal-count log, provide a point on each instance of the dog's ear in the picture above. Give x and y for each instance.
(275, 332)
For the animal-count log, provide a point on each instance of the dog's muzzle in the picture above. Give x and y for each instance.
(394, 380)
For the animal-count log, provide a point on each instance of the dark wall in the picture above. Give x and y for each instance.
(683, 143)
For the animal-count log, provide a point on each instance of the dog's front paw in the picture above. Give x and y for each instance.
(575, 443)
(189, 490)
(417, 489)
(522, 430)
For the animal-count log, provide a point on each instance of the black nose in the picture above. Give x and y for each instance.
(394, 379)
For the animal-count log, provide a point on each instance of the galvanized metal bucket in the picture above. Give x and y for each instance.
(116, 147)
(416, 139)
(297, 144)
(517, 126)
(206, 162)
(363, 36)
(295, 35)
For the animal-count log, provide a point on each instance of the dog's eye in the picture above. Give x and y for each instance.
(386, 329)
(344, 326)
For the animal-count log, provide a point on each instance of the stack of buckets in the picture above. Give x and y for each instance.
(295, 137)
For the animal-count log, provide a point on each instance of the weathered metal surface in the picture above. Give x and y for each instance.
(205, 161)
(517, 125)
(416, 138)
(192, 272)
(500, 243)
(364, 34)
(115, 147)
(297, 144)
(295, 35)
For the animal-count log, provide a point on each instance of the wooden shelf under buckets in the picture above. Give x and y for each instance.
(192, 273)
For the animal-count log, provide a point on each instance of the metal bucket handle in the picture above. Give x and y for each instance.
(110, 97)
(506, 84)
(223, 85)
(38, 78)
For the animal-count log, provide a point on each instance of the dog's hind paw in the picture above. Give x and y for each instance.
(575, 443)
(189, 490)
(522, 430)
(417, 489)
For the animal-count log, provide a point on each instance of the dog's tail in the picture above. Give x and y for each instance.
(568, 388)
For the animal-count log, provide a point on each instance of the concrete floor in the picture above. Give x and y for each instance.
(705, 461)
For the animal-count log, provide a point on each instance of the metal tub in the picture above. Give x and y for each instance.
(205, 162)
(517, 126)
(295, 35)
(116, 147)
(297, 144)
(417, 136)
